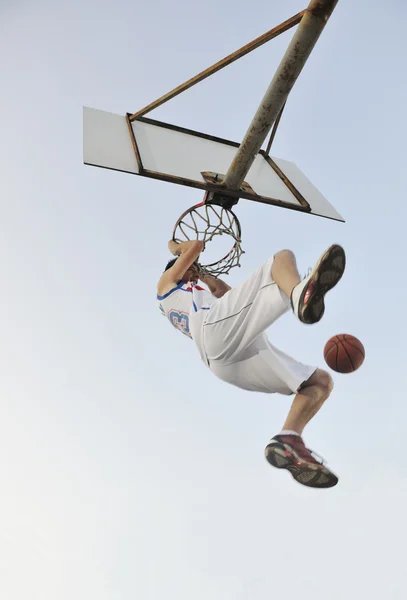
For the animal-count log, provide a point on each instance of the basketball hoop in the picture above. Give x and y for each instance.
(205, 221)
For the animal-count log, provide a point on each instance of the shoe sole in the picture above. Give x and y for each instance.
(308, 474)
(327, 273)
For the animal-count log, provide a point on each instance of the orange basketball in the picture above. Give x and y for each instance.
(344, 353)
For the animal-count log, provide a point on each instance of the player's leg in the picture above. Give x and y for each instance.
(284, 271)
(307, 296)
(328, 270)
(247, 310)
(264, 368)
(309, 399)
(287, 450)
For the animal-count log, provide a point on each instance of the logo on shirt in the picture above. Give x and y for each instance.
(180, 320)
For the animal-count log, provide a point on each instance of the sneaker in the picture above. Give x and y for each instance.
(289, 452)
(307, 298)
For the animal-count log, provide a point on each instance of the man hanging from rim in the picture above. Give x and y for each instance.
(228, 328)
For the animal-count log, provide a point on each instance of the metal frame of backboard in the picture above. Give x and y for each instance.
(226, 188)
(178, 155)
(210, 179)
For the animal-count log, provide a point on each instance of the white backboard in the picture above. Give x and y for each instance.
(161, 151)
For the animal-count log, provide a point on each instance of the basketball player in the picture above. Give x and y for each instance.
(228, 327)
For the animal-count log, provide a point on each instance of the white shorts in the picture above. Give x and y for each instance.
(234, 343)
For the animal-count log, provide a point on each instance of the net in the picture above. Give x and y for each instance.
(206, 221)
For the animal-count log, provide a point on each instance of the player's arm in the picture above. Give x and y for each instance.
(216, 286)
(188, 252)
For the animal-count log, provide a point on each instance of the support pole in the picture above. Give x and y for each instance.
(274, 130)
(304, 39)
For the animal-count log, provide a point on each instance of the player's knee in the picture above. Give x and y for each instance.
(324, 382)
(284, 254)
(321, 382)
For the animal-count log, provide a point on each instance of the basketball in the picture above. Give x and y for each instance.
(344, 353)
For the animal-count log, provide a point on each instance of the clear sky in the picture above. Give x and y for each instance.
(127, 469)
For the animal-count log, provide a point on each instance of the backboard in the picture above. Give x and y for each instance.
(150, 148)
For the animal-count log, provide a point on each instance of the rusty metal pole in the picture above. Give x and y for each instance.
(304, 39)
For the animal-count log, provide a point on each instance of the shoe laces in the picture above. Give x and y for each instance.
(317, 457)
(303, 451)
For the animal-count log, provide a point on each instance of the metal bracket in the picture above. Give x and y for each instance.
(219, 198)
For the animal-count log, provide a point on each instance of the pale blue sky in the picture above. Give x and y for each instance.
(127, 469)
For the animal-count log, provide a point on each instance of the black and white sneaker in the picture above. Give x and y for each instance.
(307, 298)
